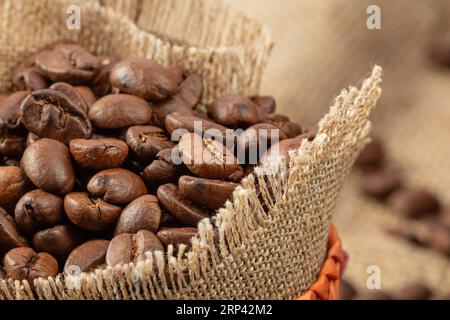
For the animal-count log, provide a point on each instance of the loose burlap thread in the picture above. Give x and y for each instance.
(269, 242)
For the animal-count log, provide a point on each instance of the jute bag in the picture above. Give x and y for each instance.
(269, 242)
(328, 45)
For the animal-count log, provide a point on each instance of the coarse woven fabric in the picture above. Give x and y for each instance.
(269, 242)
(327, 44)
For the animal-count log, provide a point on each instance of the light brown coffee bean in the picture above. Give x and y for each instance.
(142, 213)
(147, 141)
(163, 170)
(414, 203)
(234, 111)
(58, 241)
(13, 185)
(206, 192)
(72, 93)
(381, 183)
(126, 248)
(86, 257)
(176, 236)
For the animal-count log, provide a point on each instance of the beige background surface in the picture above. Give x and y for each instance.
(321, 46)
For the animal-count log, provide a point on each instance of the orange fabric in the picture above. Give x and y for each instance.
(327, 284)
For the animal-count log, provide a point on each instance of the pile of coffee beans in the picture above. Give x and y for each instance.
(102, 159)
(382, 180)
(411, 291)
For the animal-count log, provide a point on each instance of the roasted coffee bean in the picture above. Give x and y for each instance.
(266, 104)
(176, 236)
(87, 95)
(126, 248)
(59, 241)
(163, 170)
(371, 157)
(414, 203)
(31, 138)
(206, 192)
(13, 185)
(99, 154)
(47, 164)
(191, 123)
(86, 257)
(167, 221)
(146, 141)
(414, 291)
(90, 213)
(440, 49)
(347, 291)
(51, 114)
(281, 150)
(179, 206)
(29, 79)
(117, 186)
(69, 63)
(9, 236)
(381, 183)
(37, 210)
(439, 237)
(12, 146)
(10, 121)
(25, 264)
(145, 78)
(101, 84)
(72, 94)
(207, 158)
(255, 141)
(191, 89)
(142, 213)
(234, 111)
(117, 111)
(288, 128)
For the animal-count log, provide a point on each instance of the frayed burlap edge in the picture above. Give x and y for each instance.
(256, 253)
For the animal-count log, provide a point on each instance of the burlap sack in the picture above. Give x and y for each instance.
(326, 44)
(270, 240)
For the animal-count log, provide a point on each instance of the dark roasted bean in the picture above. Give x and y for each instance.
(86, 257)
(147, 141)
(176, 236)
(59, 241)
(9, 236)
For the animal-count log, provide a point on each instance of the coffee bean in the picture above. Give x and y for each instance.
(206, 192)
(90, 213)
(207, 158)
(58, 241)
(69, 63)
(87, 95)
(167, 221)
(117, 186)
(179, 206)
(28, 79)
(47, 164)
(10, 121)
(142, 213)
(234, 111)
(12, 146)
(25, 264)
(37, 210)
(147, 141)
(101, 84)
(163, 170)
(414, 291)
(439, 237)
(191, 90)
(9, 236)
(288, 128)
(126, 248)
(72, 94)
(117, 111)
(371, 157)
(99, 154)
(176, 236)
(281, 150)
(31, 138)
(266, 104)
(86, 257)
(191, 123)
(380, 184)
(145, 78)
(13, 185)
(414, 203)
(51, 114)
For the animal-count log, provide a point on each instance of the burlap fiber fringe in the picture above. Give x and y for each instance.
(271, 253)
